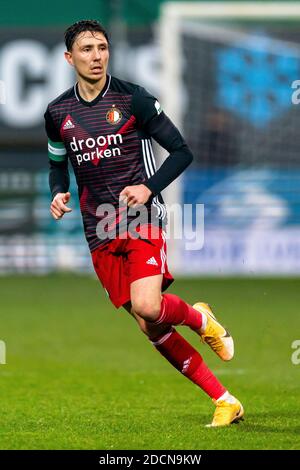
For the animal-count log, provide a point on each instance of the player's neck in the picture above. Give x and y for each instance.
(89, 91)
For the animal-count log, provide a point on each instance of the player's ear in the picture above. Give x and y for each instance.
(68, 57)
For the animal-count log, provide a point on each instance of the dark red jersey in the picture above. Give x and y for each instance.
(108, 142)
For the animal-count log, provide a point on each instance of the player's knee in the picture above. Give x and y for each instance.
(150, 329)
(154, 332)
(144, 327)
(148, 310)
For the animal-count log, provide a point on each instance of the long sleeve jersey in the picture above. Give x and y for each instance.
(108, 142)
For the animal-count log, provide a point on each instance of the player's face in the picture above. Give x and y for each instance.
(89, 56)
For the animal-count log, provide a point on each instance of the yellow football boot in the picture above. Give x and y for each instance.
(226, 413)
(215, 334)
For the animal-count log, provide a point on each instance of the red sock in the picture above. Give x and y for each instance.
(176, 311)
(189, 362)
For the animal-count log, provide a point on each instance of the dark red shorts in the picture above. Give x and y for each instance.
(122, 261)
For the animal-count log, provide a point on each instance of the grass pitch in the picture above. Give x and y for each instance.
(80, 375)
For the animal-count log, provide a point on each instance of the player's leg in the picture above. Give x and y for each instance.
(189, 363)
(115, 276)
(180, 354)
(148, 274)
(148, 302)
(152, 306)
(150, 329)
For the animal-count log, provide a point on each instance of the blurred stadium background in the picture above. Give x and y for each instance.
(224, 73)
(225, 78)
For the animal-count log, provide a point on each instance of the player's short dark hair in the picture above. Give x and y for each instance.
(79, 27)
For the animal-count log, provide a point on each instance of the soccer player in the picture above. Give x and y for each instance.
(104, 126)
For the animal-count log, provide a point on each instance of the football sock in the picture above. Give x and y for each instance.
(176, 311)
(188, 361)
(227, 397)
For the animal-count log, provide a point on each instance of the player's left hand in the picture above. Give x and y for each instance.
(135, 195)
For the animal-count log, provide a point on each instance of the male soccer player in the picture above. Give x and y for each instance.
(104, 126)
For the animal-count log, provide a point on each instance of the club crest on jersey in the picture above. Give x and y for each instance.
(113, 115)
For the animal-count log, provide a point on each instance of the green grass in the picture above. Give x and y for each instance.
(79, 374)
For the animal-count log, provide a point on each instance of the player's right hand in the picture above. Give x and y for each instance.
(58, 206)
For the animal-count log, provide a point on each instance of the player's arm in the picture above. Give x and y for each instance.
(156, 124)
(59, 181)
(59, 178)
(161, 128)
